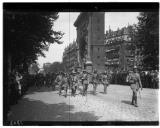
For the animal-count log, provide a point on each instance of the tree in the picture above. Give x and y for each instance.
(147, 39)
(27, 34)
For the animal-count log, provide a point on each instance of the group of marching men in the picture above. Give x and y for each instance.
(83, 79)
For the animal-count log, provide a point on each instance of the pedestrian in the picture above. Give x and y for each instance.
(18, 79)
(134, 80)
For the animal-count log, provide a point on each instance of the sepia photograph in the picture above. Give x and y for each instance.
(80, 64)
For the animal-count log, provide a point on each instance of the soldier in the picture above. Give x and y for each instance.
(105, 81)
(74, 83)
(85, 82)
(65, 83)
(134, 80)
(59, 81)
(95, 81)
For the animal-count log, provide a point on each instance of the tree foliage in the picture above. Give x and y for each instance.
(148, 39)
(27, 34)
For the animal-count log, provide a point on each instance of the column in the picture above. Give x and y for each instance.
(89, 62)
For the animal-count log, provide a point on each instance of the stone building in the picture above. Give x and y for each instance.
(90, 40)
(70, 55)
(120, 49)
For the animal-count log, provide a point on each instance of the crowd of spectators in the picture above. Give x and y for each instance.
(149, 79)
(18, 84)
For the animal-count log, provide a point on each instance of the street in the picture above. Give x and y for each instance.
(46, 105)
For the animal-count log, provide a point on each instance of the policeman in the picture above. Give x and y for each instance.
(134, 80)
(105, 81)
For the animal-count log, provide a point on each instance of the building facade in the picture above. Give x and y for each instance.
(90, 40)
(120, 49)
(70, 57)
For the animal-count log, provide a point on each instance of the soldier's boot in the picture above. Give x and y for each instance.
(105, 89)
(60, 92)
(132, 100)
(94, 90)
(74, 92)
(65, 92)
(136, 105)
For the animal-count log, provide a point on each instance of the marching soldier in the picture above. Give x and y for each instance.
(134, 80)
(74, 83)
(65, 83)
(85, 82)
(95, 81)
(105, 81)
(59, 81)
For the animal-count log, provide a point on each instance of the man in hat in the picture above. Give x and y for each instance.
(134, 80)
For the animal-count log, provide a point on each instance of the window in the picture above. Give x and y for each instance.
(98, 49)
(98, 57)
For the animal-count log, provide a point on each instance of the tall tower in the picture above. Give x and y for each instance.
(96, 40)
(90, 28)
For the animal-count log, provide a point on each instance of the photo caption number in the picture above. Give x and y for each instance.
(18, 122)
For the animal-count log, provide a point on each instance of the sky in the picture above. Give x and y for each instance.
(65, 24)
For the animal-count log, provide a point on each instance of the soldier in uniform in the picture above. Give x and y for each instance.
(74, 83)
(59, 81)
(65, 83)
(105, 81)
(95, 81)
(134, 80)
(85, 82)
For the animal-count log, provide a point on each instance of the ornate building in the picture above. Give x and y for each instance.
(120, 49)
(70, 59)
(90, 40)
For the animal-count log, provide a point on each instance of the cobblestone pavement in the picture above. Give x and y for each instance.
(46, 105)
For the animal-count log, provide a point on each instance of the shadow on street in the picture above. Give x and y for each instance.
(36, 110)
(126, 102)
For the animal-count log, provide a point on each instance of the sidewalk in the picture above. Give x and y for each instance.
(47, 105)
